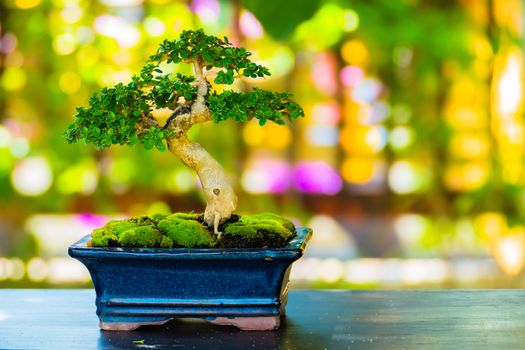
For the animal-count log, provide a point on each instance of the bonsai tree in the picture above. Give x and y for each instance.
(123, 114)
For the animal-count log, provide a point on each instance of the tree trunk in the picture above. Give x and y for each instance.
(221, 200)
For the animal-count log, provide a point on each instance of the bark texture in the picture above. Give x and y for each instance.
(221, 200)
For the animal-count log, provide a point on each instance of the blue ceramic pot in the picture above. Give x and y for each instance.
(246, 288)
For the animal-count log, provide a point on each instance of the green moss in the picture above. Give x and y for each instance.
(187, 216)
(108, 235)
(187, 231)
(157, 217)
(143, 220)
(258, 230)
(141, 236)
(166, 242)
(287, 224)
(101, 238)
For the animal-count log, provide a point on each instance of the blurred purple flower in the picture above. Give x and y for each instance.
(317, 177)
(92, 220)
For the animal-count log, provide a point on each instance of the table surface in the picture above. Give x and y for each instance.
(65, 319)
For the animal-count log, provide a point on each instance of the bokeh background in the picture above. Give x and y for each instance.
(409, 164)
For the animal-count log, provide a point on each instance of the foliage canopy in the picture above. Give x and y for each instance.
(122, 114)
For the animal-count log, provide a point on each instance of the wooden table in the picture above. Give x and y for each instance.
(65, 319)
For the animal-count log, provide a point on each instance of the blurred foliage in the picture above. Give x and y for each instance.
(411, 108)
(281, 23)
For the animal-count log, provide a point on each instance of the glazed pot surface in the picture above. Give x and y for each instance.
(246, 288)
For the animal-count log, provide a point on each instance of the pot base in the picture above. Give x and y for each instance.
(263, 323)
(128, 326)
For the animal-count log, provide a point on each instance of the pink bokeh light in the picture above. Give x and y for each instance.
(317, 178)
(324, 73)
(326, 113)
(351, 76)
(250, 26)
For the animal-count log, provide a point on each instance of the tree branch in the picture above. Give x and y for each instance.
(178, 111)
(199, 106)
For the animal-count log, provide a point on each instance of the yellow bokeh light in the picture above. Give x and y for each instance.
(69, 82)
(482, 48)
(13, 79)
(161, 115)
(475, 175)
(401, 137)
(468, 102)
(364, 113)
(481, 69)
(275, 136)
(508, 16)
(160, 2)
(470, 146)
(158, 207)
(122, 58)
(513, 173)
(80, 178)
(466, 177)
(121, 76)
(279, 59)
(32, 177)
(406, 177)
(350, 20)
(253, 134)
(326, 27)
(87, 55)
(508, 85)
(352, 112)
(363, 140)
(358, 170)
(491, 225)
(72, 13)
(64, 44)
(278, 136)
(509, 251)
(354, 52)
(26, 4)
(154, 26)
(463, 117)
(5, 136)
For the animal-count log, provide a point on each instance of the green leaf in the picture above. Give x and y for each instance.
(148, 144)
(133, 139)
(160, 145)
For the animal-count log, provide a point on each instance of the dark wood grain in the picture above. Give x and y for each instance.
(65, 319)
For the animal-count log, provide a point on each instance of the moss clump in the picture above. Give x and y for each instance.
(166, 242)
(257, 231)
(143, 220)
(186, 230)
(108, 236)
(140, 237)
(157, 217)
